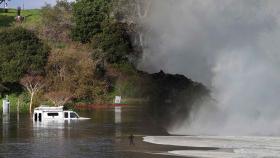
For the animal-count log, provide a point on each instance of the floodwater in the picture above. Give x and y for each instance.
(226, 146)
(104, 135)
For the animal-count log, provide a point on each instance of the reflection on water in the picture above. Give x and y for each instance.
(5, 123)
(98, 137)
(118, 121)
(118, 115)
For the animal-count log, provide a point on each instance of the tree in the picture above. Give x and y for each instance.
(59, 98)
(2, 89)
(131, 11)
(88, 16)
(21, 52)
(72, 71)
(57, 21)
(33, 84)
(114, 41)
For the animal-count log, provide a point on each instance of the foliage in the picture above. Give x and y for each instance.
(88, 16)
(97, 67)
(6, 21)
(59, 98)
(33, 84)
(128, 81)
(32, 18)
(101, 91)
(173, 96)
(56, 21)
(114, 41)
(21, 51)
(73, 70)
(22, 99)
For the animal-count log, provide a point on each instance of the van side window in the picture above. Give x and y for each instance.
(40, 117)
(73, 115)
(35, 117)
(65, 114)
(52, 114)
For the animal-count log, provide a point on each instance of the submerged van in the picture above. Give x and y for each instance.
(55, 113)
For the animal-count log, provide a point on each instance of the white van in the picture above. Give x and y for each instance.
(54, 113)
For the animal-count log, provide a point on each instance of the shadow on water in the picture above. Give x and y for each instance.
(104, 135)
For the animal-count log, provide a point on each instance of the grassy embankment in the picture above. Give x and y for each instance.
(32, 18)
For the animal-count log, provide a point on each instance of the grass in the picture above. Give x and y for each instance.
(13, 98)
(32, 18)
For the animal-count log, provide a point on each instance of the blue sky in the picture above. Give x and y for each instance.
(29, 4)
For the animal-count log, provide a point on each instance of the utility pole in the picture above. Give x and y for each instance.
(22, 4)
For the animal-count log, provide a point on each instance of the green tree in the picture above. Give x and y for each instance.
(88, 15)
(21, 51)
(114, 43)
(57, 21)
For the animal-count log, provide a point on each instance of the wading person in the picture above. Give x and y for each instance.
(131, 139)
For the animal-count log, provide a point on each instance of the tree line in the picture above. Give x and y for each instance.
(78, 52)
(86, 52)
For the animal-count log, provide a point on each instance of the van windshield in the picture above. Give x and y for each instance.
(73, 115)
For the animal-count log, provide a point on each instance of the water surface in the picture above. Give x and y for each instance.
(104, 135)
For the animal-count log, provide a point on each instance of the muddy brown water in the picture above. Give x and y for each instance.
(104, 135)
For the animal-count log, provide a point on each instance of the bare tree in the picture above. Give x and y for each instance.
(59, 98)
(33, 84)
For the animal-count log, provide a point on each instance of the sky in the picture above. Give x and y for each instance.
(29, 4)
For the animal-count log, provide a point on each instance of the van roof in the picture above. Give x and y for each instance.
(47, 108)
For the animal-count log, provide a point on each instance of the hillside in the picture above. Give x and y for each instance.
(32, 17)
(86, 62)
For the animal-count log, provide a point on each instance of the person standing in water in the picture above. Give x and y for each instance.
(131, 139)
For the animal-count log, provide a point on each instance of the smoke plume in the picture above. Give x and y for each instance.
(232, 47)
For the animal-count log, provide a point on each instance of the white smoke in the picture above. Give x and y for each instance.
(232, 47)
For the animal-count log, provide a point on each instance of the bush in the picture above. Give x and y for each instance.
(57, 21)
(21, 51)
(88, 16)
(114, 42)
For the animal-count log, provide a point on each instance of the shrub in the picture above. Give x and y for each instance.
(57, 21)
(114, 42)
(88, 16)
(21, 51)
